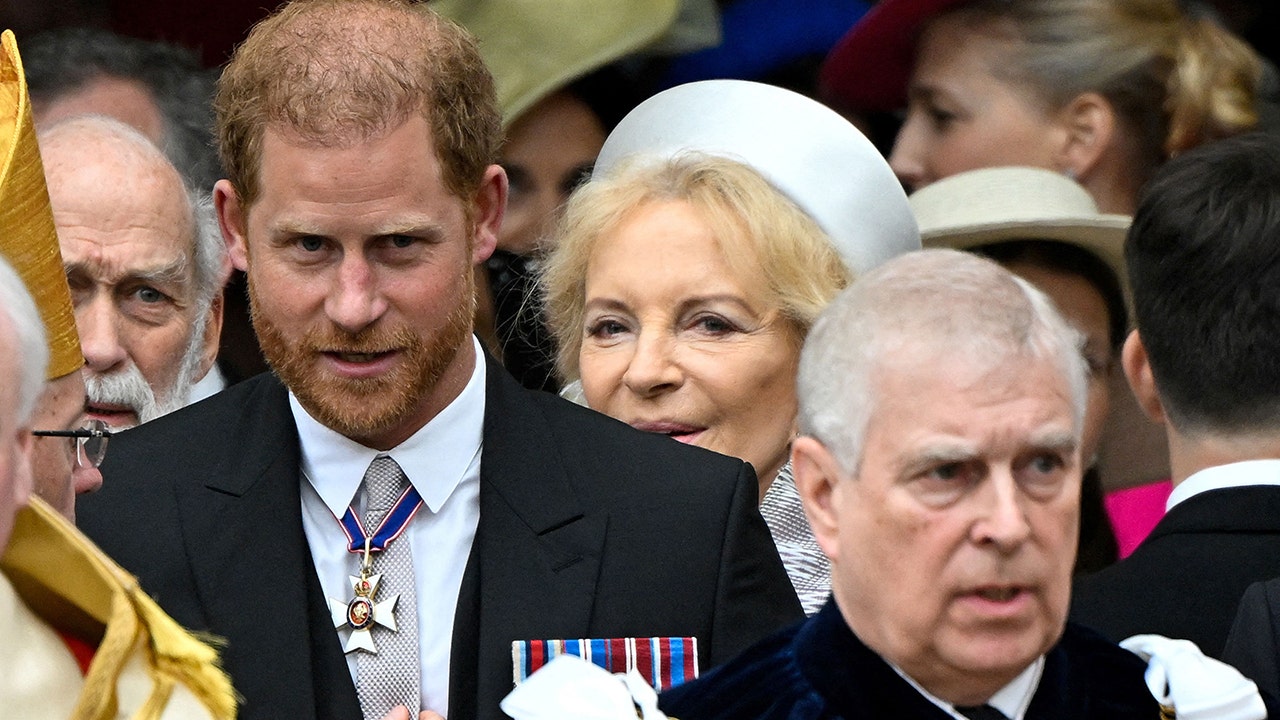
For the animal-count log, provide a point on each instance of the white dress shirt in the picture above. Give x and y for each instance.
(442, 461)
(1013, 699)
(1237, 474)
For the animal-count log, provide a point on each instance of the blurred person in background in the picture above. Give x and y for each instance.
(1101, 90)
(559, 94)
(158, 88)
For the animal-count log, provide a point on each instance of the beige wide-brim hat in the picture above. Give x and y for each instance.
(28, 239)
(807, 151)
(991, 205)
(535, 47)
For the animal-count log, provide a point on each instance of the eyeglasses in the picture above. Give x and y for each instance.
(90, 441)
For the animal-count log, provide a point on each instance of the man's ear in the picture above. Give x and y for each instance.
(1137, 370)
(233, 222)
(23, 472)
(490, 206)
(816, 473)
(1089, 123)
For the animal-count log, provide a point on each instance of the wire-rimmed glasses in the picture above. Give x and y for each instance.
(90, 441)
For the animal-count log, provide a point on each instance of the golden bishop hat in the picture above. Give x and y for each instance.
(27, 236)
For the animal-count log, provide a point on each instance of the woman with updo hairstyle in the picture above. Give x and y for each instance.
(721, 219)
(1103, 91)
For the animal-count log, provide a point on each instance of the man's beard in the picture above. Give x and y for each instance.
(129, 388)
(362, 407)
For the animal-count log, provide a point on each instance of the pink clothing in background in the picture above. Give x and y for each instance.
(1135, 511)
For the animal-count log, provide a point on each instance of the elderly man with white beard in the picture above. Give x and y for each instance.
(145, 264)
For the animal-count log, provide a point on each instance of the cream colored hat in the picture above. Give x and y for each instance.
(806, 150)
(990, 205)
(27, 236)
(534, 47)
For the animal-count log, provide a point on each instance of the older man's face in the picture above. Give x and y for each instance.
(126, 237)
(952, 545)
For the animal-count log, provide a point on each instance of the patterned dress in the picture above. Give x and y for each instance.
(807, 566)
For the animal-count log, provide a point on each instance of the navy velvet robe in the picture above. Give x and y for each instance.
(819, 669)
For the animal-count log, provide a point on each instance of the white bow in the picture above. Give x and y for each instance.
(570, 688)
(1197, 687)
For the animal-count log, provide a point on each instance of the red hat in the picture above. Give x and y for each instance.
(870, 66)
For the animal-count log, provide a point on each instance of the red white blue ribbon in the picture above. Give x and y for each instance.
(392, 525)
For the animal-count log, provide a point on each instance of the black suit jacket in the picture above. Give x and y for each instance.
(1254, 643)
(820, 670)
(587, 529)
(1186, 579)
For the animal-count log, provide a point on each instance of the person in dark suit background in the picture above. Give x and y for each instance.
(1253, 646)
(360, 140)
(941, 411)
(1204, 263)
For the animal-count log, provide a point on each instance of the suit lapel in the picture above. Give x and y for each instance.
(537, 552)
(244, 521)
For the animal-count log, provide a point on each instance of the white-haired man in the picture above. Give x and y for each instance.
(941, 403)
(145, 264)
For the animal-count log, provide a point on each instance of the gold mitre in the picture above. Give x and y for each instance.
(27, 236)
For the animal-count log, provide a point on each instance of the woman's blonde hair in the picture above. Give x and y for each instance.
(1174, 81)
(761, 232)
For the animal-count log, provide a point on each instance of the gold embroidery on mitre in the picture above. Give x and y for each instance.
(28, 239)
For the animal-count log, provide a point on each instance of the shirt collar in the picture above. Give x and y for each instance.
(1012, 699)
(447, 445)
(1238, 474)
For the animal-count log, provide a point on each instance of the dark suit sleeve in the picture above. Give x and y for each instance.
(1252, 646)
(754, 598)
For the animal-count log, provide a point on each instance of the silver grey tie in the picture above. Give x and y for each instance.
(390, 677)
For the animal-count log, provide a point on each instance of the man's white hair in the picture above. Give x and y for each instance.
(925, 302)
(22, 333)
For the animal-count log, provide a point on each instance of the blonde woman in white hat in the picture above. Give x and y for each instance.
(1046, 228)
(721, 218)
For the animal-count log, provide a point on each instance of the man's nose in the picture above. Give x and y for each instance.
(356, 301)
(1003, 519)
(98, 323)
